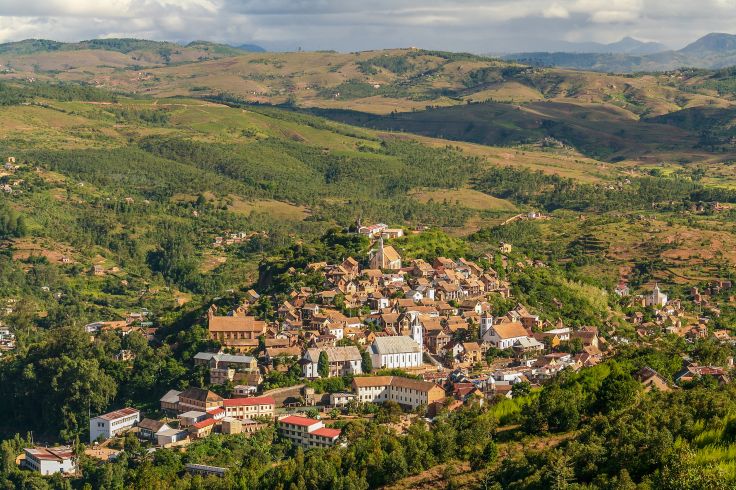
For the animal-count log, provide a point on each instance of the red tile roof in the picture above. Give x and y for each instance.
(327, 432)
(297, 420)
(204, 423)
(245, 402)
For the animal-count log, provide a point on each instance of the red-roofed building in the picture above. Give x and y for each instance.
(245, 408)
(307, 432)
(202, 428)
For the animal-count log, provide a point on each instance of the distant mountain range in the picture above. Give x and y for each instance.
(713, 51)
(125, 46)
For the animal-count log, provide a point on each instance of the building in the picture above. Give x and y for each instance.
(148, 428)
(245, 408)
(342, 399)
(205, 470)
(170, 401)
(306, 432)
(652, 380)
(505, 335)
(235, 332)
(396, 352)
(110, 424)
(656, 298)
(201, 429)
(50, 460)
(224, 361)
(409, 393)
(198, 399)
(191, 417)
(342, 360)
(168, 437)
(386, 257)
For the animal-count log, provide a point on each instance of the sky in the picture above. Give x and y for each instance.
(490, 26)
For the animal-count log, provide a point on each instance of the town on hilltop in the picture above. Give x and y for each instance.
(423, 338)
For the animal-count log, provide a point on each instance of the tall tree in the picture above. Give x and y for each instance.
(323, 365)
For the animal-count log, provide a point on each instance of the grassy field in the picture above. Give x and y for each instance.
(276, 209)
(466, 197)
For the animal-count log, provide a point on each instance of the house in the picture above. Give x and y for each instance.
(202, 428)
(342, 399)
(505, 335)
(396, 352)
(306, 432)
(198, 399)
(191, 417)
(50, 460)
(245, 408)
(342, 361)
(409, 393)
(170, 401)
(167, 437)
(235, 332)
(221, 360)
(390, 233)
(693, 372)
(149, 428)
(472, 352)
(108, 425)
(651, 379)
(386, 257)
(245, 390)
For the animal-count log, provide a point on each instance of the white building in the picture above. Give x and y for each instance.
(657, 298)
(396, 352)
(505, 335)
(404, 391)
(50, 460)
(110, 424)
(342, 360)
(307, 432)
(246, 408)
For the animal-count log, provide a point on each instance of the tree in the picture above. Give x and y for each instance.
(618, 390)
(366, 363)
(521, 389)
(323, 365)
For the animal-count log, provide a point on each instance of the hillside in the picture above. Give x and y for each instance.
(713, 51)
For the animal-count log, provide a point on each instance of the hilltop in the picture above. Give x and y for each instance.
(712, 51)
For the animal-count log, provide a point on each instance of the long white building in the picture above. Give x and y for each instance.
(396, 352)
(110, 424)
(50, 460)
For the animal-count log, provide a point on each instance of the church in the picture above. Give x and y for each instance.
(657, 298)
(386, 257)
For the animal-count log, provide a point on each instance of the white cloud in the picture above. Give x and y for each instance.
(556, 11)
(473, 25)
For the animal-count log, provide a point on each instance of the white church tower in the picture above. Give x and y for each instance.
(417, 333)
(486, 322)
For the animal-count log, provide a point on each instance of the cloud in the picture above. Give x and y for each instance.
(556, 11)
(467, 25)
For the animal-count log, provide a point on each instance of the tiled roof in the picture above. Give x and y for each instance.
(510, 330)
(246, 402)
(200, 395)
(118, 414)
(51, 453)
(398, 381)
(235, 324)
(335, 354)
(395, 345)
(327, 432)
(297, 420)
